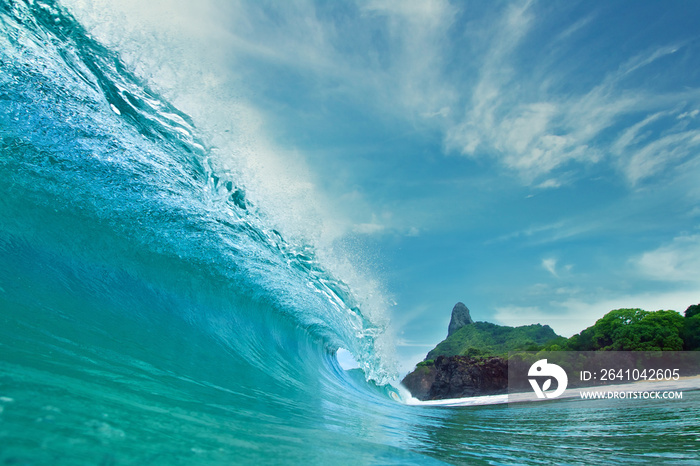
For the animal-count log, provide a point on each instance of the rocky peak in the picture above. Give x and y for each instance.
(460, 318)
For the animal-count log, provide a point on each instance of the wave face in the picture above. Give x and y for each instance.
(133, 267)
(151, 314)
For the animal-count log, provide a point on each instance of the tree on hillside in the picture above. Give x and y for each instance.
(656, 331)
(613, 322)
(692, 311)
(691, 328)
(636, 330)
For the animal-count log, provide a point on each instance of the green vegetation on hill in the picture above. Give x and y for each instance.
(618, 330)
(637, 330)
(482, 339)
(691, 328)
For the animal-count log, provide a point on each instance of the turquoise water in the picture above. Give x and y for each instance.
(151, 314)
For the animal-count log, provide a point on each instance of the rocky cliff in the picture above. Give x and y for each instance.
(460, 318)
(472, 360)
(458, 377)
(420, 381)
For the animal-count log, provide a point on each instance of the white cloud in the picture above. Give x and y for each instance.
(692, 114)
(574, 28)
(631, 135)
(563, 323)
(673, 264)
(413, 344)
(550, 183)
(425, 14)
(644, 59)
(550, 265)
(534, 131)
(573, 315)
(463, 79)
(564, 228)
(656, 155)
(480, 124)
(676, 261)
(411, 78)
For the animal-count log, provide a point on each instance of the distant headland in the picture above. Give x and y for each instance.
(473, 359)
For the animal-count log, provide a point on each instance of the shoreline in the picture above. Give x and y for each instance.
(687, 383)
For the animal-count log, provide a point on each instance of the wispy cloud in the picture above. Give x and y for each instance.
(533, 130)
(550, 265)
(570, 316)
(534, 138)
(567, 228)
(417, 36)
(670, 277)
(655, 155)
(676, 261)
(550, 183)
(480, 123)
(414, 344)
(434, 64)
(564, 323)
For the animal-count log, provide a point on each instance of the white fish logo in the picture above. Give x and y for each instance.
(543, 369)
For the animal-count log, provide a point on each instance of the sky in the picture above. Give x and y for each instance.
(536, 160)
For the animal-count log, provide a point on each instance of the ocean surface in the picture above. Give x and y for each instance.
(150, 313)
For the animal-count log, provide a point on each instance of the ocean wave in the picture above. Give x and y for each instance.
(106, 171)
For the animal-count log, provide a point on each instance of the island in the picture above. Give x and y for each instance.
(473, 359)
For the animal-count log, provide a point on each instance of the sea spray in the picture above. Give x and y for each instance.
(190, 55)
(144, 148)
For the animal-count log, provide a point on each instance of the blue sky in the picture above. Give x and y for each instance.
(538, 161)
